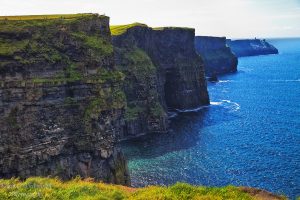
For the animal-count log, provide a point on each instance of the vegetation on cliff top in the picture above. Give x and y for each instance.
(120, 29)
(46, 188)
(35, 17)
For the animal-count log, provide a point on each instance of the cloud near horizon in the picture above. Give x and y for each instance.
(230, 18)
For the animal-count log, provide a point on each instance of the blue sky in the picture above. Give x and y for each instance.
(231, 18)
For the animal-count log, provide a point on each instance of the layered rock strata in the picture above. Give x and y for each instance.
(61, 101)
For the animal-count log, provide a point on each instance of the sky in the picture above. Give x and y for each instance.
(230, 18)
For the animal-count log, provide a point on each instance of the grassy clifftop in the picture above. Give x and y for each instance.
(46, 188)
(120, 29)
(35, 17)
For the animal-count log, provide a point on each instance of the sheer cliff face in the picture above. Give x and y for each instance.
(251, 47)
(163, 72)
(217, 57)
(61, 104)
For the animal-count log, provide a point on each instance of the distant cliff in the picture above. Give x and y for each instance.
(217, 56)
(163, 72)
(251, 47)
(61, 102)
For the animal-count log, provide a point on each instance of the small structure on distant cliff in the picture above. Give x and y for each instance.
(251, 47)
(217, 57)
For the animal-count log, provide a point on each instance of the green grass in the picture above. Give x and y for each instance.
(37, 17)
(95, 42)
(157, 110)
(9, 48)
(49, 188)
(132, 112)
(120, 29)
(138, 63)
(21, 24)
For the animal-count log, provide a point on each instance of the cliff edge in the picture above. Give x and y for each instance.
(163, 73)
(61, 100)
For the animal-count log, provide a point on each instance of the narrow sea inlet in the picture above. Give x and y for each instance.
(248, 136)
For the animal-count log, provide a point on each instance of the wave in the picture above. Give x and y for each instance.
(192, 109)
(215, 103)
(225, 81)
(233, 106)
(172, 114)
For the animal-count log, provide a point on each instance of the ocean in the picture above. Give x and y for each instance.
(248, 136)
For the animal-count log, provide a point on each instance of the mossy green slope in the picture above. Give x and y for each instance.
(46, 188)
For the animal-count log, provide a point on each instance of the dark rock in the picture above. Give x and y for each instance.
(213, 78)
(61, 102)
(217, 57)
(251, 47)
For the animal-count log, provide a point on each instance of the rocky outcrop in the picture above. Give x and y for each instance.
(251, 47)
(163, 73)
(61, 101)
(217, 56)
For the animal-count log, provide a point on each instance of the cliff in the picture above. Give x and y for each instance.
(163, 73)
(217, 56)
(251, 47)
(61, 103)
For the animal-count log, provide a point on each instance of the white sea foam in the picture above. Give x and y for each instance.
(224, 81)
(233, 106)
(172, 114)
(191, 110)
(215, 103)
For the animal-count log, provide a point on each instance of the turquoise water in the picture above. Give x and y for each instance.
(249, 135)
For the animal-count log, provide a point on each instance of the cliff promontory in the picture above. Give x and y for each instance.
(163, 73)
(251, 47)
(61, 100)
(217, 56)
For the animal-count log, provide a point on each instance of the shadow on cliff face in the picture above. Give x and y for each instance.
(185, 132)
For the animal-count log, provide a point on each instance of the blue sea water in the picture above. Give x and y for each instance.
(248, 136)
